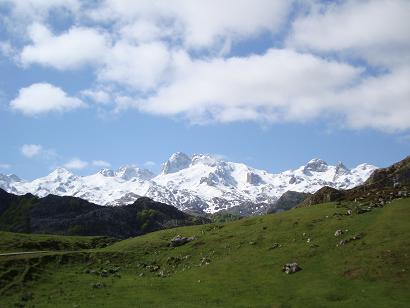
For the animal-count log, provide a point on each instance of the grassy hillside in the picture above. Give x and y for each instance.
(237, 264)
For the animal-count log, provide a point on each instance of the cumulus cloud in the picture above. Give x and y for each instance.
(76, 163)
(101, 163)
(31, 150)
(200, 24)
(140, 66)
(175, 58)
(39, 8)
(42, 98)
(378, 102)
(6, 49)
(97, 95)
(373, 30)
(279, 85)
(70, 50)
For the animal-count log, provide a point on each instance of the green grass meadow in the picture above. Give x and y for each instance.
(234, 264)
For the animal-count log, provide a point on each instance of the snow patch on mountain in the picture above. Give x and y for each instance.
(201, 183)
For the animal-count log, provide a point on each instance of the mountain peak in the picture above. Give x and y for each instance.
(341, 168)
(13, 177)
(205, 159)
(106, 172)
(130, 172)
(176, 162)
(316, 165)
(61, 171)
(59, 174)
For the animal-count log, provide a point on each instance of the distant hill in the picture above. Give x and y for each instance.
(74, 216)
(383, 185)
(288, 200)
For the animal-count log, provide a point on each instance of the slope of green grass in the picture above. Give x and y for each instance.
(231, 265)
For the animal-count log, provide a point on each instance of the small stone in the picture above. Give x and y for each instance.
(275, 245)
(180, 240)
(338, 232)
(290, 268)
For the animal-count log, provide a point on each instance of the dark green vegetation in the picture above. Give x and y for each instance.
(237, 264)
(74, 216)
(15, 242)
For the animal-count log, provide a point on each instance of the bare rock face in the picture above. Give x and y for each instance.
(288, 200)
(253, 178)
(325, 194)
(290, 268)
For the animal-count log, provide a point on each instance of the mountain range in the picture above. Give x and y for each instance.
(196, 184)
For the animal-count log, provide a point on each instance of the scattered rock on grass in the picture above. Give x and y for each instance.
(352, 238)
(180, 240)
(152, 268)
(338, 232)
(275, 245)
(205, 261)
(98, 285)
(290, 268)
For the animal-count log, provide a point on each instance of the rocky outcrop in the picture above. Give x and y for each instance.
(180, 240)
(323, 195)
(288, 200)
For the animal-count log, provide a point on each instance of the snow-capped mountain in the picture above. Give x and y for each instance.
(201, 183)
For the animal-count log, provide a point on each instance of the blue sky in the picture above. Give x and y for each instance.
(272, 84)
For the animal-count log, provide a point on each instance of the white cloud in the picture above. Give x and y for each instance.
(6, 49)
(5, 166)
(144, 31)
(279, 85)
(31, 150)
(378, 102)
(165, 57)
(101, 163)
(98, 96)
(18, 15)
(198, 24)
(140, 66)
(70, 50)
(35, 9)
(373, 30)
(42, 98)
(76, 164)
